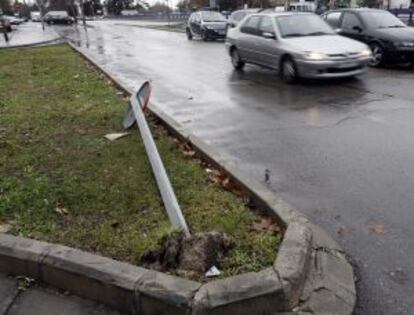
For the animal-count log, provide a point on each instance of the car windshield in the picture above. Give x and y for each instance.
(381, 19)
(302, 25)
(212, 16)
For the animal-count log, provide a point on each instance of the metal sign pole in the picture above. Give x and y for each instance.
(167, 193)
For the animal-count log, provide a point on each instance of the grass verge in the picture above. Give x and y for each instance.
(62, 182)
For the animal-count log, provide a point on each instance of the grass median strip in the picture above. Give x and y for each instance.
(61, 181)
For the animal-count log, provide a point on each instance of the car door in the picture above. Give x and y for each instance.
(352, 27)
(247, 41)
(267, 46)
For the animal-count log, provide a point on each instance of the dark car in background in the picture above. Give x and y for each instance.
(238, 15)
(58, 17)
(206, 25)
(389, 39)
(13, 20)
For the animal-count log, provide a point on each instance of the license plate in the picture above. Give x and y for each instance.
(348, 65)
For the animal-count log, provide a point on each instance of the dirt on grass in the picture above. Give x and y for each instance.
(61, 181)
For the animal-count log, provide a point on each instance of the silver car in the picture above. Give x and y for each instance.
(296, 45)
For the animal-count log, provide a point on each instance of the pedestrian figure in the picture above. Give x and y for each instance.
(267, 176)
(3, 25)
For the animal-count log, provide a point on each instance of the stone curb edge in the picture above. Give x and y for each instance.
(57, 40)
(293, 282)
(135, 290)
(37, 44)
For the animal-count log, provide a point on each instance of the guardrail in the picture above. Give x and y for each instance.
(153, 16)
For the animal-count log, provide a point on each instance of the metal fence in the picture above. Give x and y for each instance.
(406, 15)
(173, 16)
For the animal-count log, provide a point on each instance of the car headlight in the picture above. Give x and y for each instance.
(366, 52)
(315, 55)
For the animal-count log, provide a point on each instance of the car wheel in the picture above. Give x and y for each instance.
(238, 64)
(189, 35)
(377, 55)
(288, 71)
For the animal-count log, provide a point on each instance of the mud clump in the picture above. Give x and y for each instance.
(188, 255)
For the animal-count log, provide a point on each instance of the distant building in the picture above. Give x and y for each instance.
(57, 5)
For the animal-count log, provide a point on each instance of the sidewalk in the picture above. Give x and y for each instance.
(37, 300)
(29, 34)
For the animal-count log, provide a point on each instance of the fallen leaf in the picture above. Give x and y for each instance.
(190, 153)
(61, 211)
(376, 228)
(265, 224)
(5, 227)
(344, 231)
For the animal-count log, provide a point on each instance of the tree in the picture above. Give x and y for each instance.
(116, 6)
(159, 7)
(369, 3)
(5, 6)
(184, 5)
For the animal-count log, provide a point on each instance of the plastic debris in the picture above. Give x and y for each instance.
(213, 272)
(116, 135)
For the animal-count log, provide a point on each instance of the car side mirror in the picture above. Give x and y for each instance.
(269, 35)
(357, 29)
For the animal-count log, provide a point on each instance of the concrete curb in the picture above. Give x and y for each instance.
(135, 290)
(310, 273)
(57, 40)
(38, 44)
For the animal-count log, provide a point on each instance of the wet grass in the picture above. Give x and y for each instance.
(62, 182)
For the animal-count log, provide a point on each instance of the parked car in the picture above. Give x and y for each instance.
(296, 45)
(389, 39)
(238, 15)
(206, 25)
(35, 16)
(6, 22)
(13, 20)
(58, 17)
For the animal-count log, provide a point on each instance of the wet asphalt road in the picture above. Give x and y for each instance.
(341, 152)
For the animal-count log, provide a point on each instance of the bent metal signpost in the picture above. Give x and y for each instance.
(139, 103)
